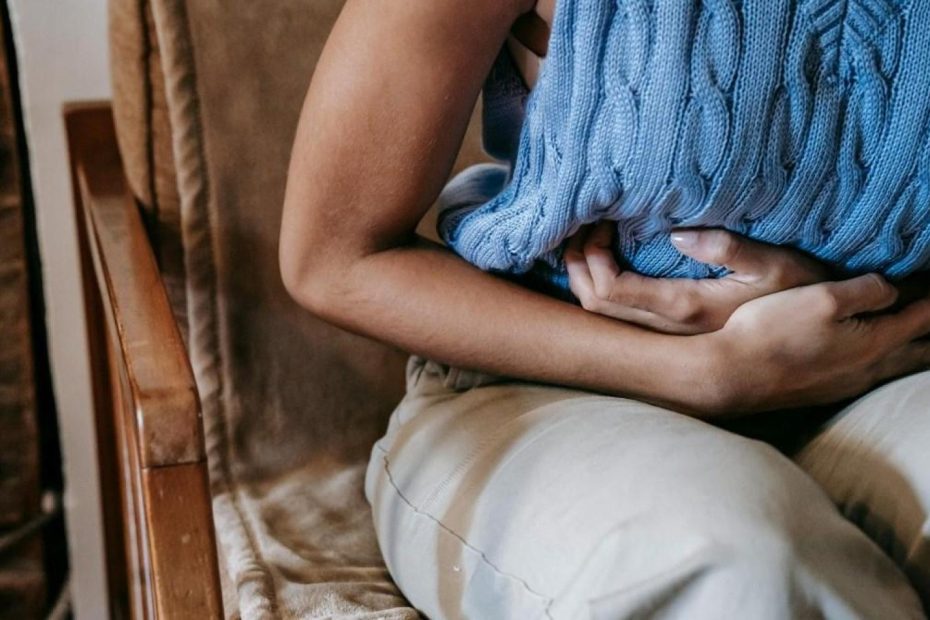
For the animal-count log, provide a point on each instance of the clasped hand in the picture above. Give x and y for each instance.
(780, 330)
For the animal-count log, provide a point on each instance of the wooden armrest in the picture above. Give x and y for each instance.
(163, 389)
(161, 549)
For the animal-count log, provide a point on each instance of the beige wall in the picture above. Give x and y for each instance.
(62, 51)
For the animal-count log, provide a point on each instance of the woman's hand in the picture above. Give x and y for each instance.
(817, 345)
(682, 306)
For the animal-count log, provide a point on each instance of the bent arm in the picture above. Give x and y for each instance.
(382, 123)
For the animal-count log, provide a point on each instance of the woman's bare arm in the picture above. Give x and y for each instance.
(381, 127)
(382, 123)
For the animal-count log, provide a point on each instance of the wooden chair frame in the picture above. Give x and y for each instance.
(160, 540)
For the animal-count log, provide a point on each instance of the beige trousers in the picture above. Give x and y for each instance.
(501, 499)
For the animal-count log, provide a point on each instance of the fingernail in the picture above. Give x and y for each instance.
(685, 238)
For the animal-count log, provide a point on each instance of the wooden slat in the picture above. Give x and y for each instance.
(145, 391)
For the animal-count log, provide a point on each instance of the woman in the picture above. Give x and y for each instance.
(514, 498)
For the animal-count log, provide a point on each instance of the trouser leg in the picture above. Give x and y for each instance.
(519, 501)
(873, 460)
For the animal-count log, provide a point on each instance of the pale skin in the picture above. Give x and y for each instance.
(382, 123)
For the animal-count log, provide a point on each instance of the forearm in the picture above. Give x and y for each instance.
(424, 299)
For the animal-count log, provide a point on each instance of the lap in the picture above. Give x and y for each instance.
(509, 492)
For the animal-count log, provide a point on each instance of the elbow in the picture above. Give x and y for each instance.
(294, 277)
(306, 274)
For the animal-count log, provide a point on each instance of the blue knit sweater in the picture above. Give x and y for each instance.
(795, 122)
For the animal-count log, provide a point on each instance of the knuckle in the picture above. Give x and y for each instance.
(686, 308)
(824, 301)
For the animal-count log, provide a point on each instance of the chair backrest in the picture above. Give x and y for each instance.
(206, 98)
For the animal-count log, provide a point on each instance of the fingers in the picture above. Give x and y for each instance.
(598, 251)
(910, 323)
(612, 285)
(661, 296)
(592, 268)
(848, 298)
(908, 359)
(580, 281)
(629, 296)
(581, 284)
(714, 247)
(749, 260)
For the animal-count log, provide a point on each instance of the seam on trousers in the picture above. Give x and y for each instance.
(547, 601)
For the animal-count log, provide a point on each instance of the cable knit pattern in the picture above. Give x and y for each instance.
(795, 122)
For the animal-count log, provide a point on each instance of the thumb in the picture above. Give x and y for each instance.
(868, 293)
(744, 257)
(719, 247)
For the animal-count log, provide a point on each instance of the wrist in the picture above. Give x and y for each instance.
(710, 383)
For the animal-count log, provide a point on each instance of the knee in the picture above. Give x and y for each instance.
(759, 556)
(689, 566)
(747, 544)
(763, 543)
(744, 544)
(872, 460)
